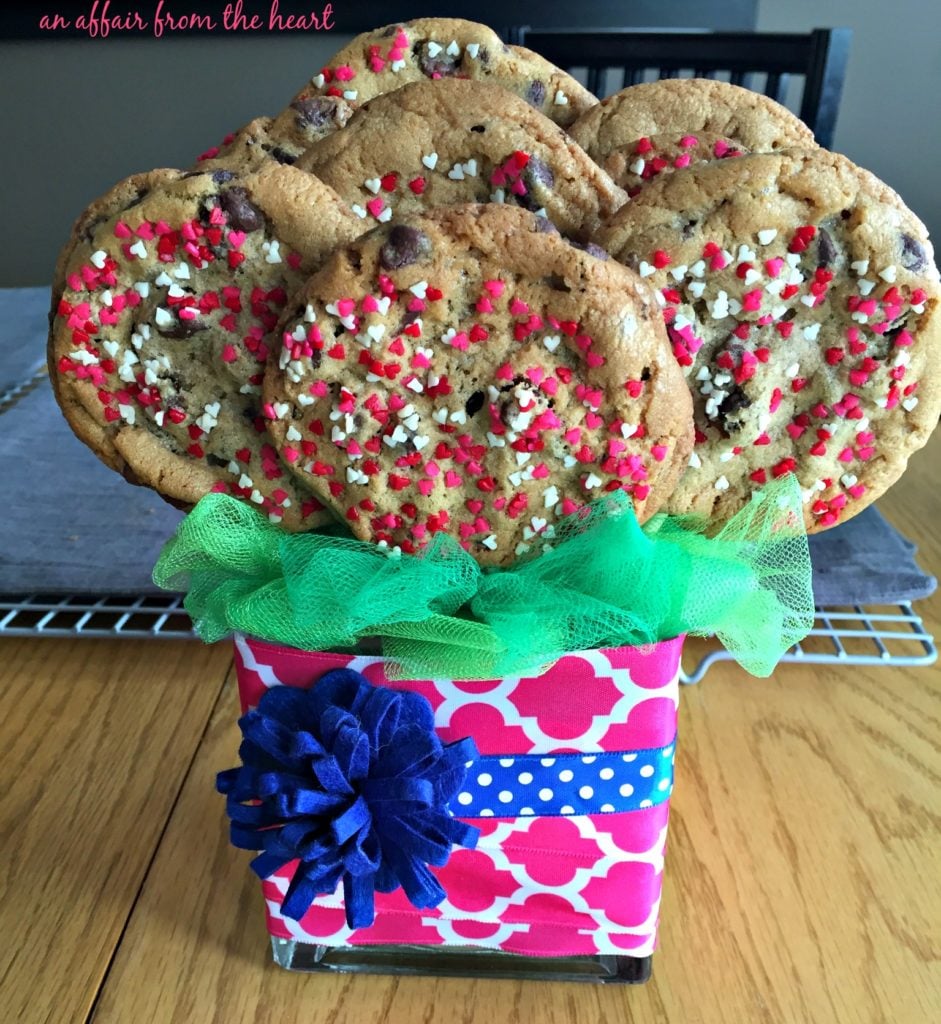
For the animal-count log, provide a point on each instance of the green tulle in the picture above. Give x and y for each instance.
(605, 582)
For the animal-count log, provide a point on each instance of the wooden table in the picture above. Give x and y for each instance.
(801, 879)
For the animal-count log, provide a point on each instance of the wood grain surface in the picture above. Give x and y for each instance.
(802, 864)
(97, 737)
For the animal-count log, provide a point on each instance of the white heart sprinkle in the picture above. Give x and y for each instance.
(908, 404)
(453, 49)
(456, 173)
(767, 236)
(645, 269)
(552, 342)
(472, 50)
(433, 49)
(358, 210)
(373, 184)
(561, 100)
(430, 161)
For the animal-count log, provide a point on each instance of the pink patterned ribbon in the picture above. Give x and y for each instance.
(545, 886)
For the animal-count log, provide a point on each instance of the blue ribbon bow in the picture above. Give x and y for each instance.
(351, 780)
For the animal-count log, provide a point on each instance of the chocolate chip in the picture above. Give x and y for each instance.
(409, 317)
(539, 173)
(645, 373)
(314, 112)
(478, 128)
(442, 65)
(138, 197)
(483, 54)
(734, 400)
(827, 251)
(182, 329)
(404, 246)
(536, 93)
(282, 156)
(475, 403)
(221, 177)
(914, 256)
(242, 214)
(214, 460)
(592, 249)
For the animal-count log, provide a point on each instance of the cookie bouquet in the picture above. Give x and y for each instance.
(482, 395)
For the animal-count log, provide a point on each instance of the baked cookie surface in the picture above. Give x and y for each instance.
(801, 297)
(160, 334)
(387, 58)
(644, 127)
(467, 372)
(442, 143)
(283, 138)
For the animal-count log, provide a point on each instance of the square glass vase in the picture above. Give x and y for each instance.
(571, 797)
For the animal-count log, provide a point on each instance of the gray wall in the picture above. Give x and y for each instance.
(78, 116)
(888, 121)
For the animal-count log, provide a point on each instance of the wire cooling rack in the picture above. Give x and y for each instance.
(851, 635)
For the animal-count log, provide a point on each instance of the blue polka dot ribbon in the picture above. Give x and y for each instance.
(565, 784)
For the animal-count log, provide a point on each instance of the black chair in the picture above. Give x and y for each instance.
(819, 57)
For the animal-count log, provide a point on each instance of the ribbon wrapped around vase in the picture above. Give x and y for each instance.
(560, 805)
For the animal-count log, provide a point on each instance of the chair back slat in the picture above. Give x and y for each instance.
(818, 57)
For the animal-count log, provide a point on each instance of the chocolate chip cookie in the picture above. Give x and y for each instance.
(435, 48)
(801, 297)
(467, 372)
(651, 129)
(440, 143)
(161, 332)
